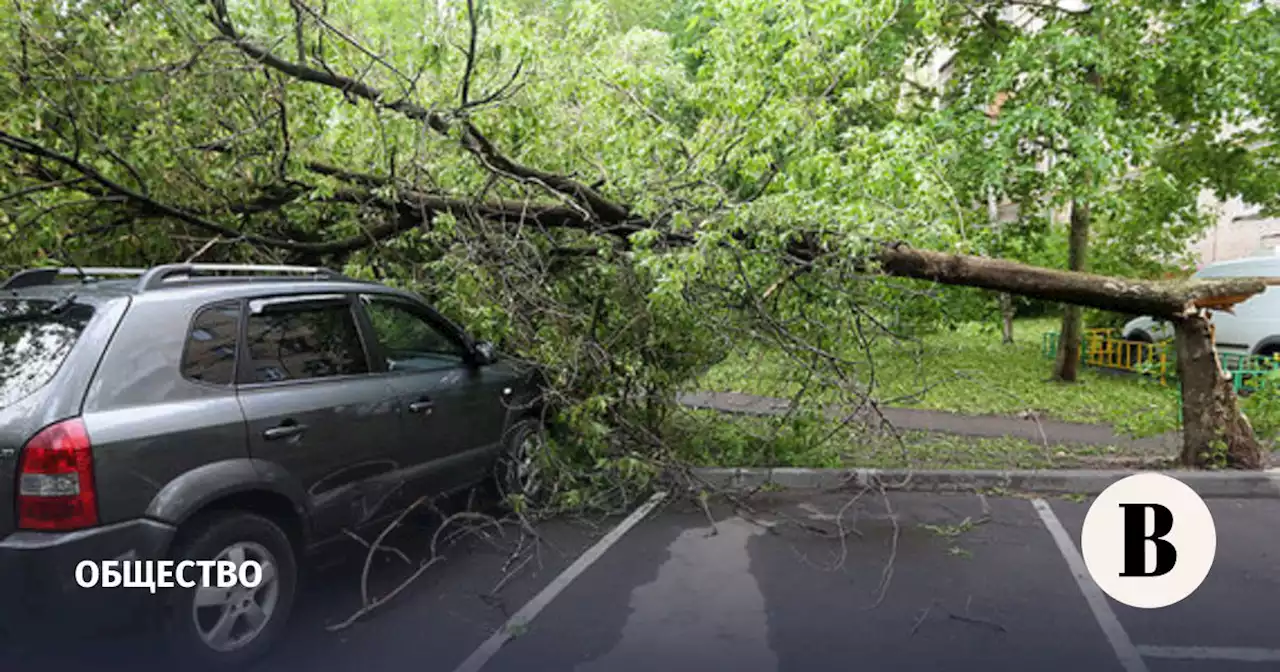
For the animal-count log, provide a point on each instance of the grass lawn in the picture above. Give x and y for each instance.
(708, 438)
(968, 370)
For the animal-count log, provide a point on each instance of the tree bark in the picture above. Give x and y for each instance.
(1066, 369)
(1007, 312)
(1139, 297)
(1066, 366)
(1214, 431)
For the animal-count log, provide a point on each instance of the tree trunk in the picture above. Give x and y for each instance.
(1007, 312)
(1214, 431)
(1137, 297)
(1066, 368)
(1006, 301)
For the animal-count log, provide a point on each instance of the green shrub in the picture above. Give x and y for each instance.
(1262, 407)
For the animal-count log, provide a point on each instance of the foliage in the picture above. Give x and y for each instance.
(968, 370)
(621, 191)
(1262, 407)
(1131, 108)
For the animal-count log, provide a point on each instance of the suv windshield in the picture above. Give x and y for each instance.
(35, 337)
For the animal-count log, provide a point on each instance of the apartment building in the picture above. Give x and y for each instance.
(1240, 230)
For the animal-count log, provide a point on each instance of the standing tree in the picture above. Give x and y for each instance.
(1121, 109)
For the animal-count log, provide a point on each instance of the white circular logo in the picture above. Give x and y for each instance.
(1148, 541)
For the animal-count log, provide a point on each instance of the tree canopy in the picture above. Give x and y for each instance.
(620, 188)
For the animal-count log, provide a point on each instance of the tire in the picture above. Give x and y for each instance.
(1264, 358)
(191, 632)
(1135, 356)
(1268, 352)
(517, 471)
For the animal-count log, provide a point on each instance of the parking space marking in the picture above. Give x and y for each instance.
(1128, 654)
(1223, 653)
(521, 619)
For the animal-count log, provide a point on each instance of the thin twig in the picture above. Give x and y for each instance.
(886, 575)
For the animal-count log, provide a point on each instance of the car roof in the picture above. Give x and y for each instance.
(178, 281)
(1267, 266)
(211, 291)
(92, 292)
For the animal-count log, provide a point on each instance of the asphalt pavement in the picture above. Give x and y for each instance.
(904, 581)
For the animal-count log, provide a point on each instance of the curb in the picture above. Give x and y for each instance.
(1208, 484)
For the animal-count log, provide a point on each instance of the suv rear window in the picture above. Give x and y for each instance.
(210, 355)
(35, 337)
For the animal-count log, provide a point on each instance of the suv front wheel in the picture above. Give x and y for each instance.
(217, 628)
(518, 471)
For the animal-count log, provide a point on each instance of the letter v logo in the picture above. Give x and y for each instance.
(1148, 541)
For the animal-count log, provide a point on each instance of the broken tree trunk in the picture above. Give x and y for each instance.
(1137, 297)
(1214, 431)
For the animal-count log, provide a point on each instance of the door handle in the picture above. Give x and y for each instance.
(423, 406)
(284, 431)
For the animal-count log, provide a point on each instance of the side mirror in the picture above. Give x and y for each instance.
(485, 353)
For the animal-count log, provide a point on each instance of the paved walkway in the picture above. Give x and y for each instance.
(1053, 432)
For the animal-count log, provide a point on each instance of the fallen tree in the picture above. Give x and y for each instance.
(290, 209)
(1137, 297)
(1214, 431)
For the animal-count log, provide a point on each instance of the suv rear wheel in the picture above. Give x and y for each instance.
(218, 628)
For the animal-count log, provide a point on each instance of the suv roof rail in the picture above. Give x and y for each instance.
(157, 277)
(35, 277)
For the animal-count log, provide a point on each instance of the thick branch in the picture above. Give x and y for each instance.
(472, 139)
(465, 94)
(345, 84)
(412, 203)
(411, 208)
(153, 207)
(1138, 297)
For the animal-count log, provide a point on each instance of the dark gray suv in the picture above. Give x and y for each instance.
(214, 412)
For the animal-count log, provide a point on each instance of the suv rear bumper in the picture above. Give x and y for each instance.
(38, 588)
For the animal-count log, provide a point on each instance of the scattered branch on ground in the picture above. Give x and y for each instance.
(886, 575)
(479, 522)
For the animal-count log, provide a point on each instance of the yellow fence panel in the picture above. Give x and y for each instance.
(1104, 350)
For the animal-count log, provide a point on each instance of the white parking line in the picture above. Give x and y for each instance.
(1128, 654)
(529, 611)
(1225, 653)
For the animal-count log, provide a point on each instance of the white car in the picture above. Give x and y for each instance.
(1253, 329)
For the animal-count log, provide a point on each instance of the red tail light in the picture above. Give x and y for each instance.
(55, 480)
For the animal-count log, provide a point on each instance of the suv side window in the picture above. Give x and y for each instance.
(410, 341)
(210, 354)
(300, 341)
